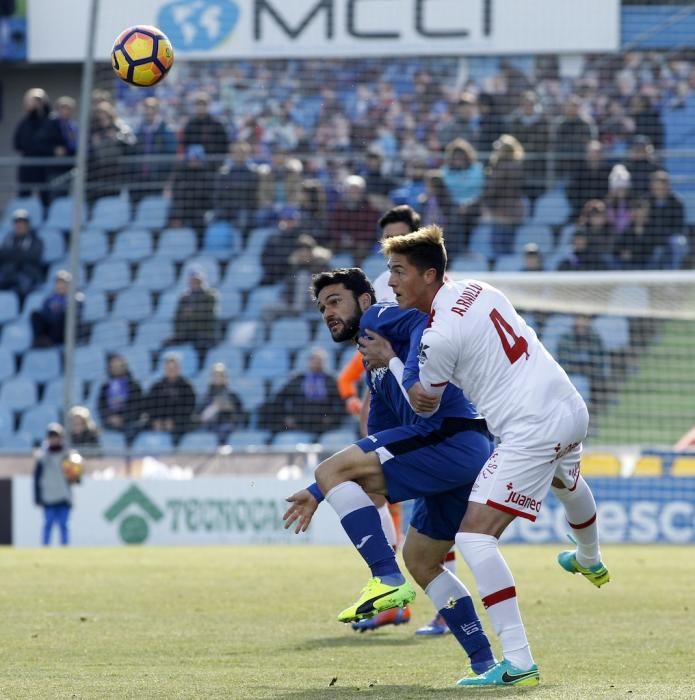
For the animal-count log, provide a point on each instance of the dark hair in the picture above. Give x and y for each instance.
(351, 278)
(402, 213)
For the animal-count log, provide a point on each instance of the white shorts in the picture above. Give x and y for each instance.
(518, 474)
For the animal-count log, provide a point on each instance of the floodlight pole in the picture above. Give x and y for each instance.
(78, 199)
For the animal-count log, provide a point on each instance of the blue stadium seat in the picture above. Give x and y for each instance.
(7, 368)
(110, 213)
(110, 276)
(243, 273)
(333, 440)
(16, 336)
(9, 306)
(221, 240)
(132, 245)
(344, 260)
(177, 244)
(34, 420)
(151, 442)
(152, 334)
(302, 358)
(64, 264)
(233, 359)
(53, 244)
(60, 212)
(17, 443)
(552, 209)
(31, 204)
(188, 358)
(614, 332)
(291, 438)
(53, 392)
(556, 325)
(539, 234)
(290, 333)
(481, 241)
(470, 262)
(259, 298)
(155, 274)
(6, 424)
(566, 236)
(200, 441)
(41, 365)
(139, 361)
(94, 307)
(267, 363)
(134, 304)
(229, 304)
(248, 438)
(373, 265)
(251, 391)
(689, 204)
(323, 339)
(94, 245)
(90, 362)
(152, 212)
(209, 265)
(582, 385)
(257, 240)
(112, 442)
(18, 394)
(166, 306)
(33, 301)
(243, 334)
(509, 263)
(111, 334)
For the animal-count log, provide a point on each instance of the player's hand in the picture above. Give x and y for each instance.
(301, 511)
(421, 401)
(375, 349)
(353, 405)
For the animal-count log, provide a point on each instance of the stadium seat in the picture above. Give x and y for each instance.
(18, 394)
(566, 236)
(112, 442)
(649, 465)
(229, 304)
(32, 302)
(17, 443)
(210, 267)
(243, 334)
(481, 241)
(600, 464)
(221, 240)
(582, 385)
(268, 363)
(259, 298)
(90, 362)
(539, 234)
(152, 212)
(552, 209)
(9, 306)
(683, 466)
(16, 336)
(41, 365)
(152, 334)
(53, 392)
(509, 263)
(248, 438)
(132, 245)
(470, 262)
(34, 420)
(243, 273)
(166, 306)
(111, 334)
(333, 440)
(139, 360)
(373, 265)
(31, 204)
(556, 325)
(109, 276)
(155, 274)
(200, 441)
(257, 240)
(53, 244)
(289, 333)
(7, 367)
(134, 304)
(302, 358)
(94, 245)
(291, 438)
(231, 357)
(6, 424)
(60, 212)
(94, 307)
(110, 213)
(250, 390)
(151, 442)
(188, 358)
(177, 244)
(614, 332)
(64, 264)
(343, 260)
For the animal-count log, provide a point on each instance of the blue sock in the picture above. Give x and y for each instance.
(465, 625)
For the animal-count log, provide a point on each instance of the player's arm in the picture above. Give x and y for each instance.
(303, 505)
(347, 383)
(364, 413)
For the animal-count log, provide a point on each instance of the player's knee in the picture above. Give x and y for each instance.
(338, 468)
(423, 569)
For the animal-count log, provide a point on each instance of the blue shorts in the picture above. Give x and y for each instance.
(434, 463)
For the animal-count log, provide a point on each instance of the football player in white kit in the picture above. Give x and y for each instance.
(477, 341)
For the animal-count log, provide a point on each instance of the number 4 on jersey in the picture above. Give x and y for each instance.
(515, 346)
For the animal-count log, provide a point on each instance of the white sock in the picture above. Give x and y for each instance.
(348, 497)
(445, 587)
(498, 593)
(388, 525)
(449, 562)
(580, 511)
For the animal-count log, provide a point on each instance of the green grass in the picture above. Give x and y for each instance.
(259, 622)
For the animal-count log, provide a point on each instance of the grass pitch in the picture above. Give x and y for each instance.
(259, 622)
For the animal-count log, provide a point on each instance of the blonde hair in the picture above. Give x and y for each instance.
(84, 413)
(424, 248)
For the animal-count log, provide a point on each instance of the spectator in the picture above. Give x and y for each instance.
(309, 401)
(192, 191)
(618, 199)
(412, 188)
(21, 253)
(171, 400)
(533, 258)
(83, 430)
(206, 132)
(616, 127)
(30, 141)
(530, 127)
(641, 164)
(52, 489)
(438, 207)
(280, 183)
(573, 131)
(581, 351)
(463, 175)
(195, 320)
(221, 409)
(647, 120)
(352, 224)
(48, 322)
(502, 200)
(120, 402)
(593, 242)
(634, 248)
(666, 221)
(463, 124)
(156, 147)
(236, 189)
(590, 180)
(61, 142)
(280, 245)
(378, 185)
(313, 210)
(491, 125)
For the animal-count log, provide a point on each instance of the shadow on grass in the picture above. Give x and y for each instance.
(357, 640)
(401, 692)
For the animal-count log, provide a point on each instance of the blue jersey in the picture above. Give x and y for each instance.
(388, 408)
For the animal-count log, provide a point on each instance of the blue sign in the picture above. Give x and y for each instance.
(198, 25)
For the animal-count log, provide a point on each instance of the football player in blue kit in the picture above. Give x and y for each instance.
(434, 460)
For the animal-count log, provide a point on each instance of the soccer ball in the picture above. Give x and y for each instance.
(142, 56)
(72, 468)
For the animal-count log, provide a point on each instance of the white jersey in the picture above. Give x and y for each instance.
(381, 288)
(478, 341)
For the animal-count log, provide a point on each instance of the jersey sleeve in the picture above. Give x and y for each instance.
(392, 322)
(349, 377)
(436, 361)
(411, 373)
